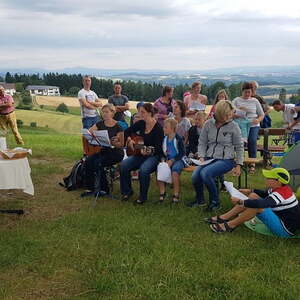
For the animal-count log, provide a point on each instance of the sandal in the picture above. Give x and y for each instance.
(218, 229)
(162, 198)
(218, 220)
(175, 199)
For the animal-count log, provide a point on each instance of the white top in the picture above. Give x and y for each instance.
(288, 115)
(15, 174)
(252, 107)
(90, 96)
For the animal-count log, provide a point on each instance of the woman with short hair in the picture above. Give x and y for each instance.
(254, 113)
(195, 101)
(184, 123)
(220, 140)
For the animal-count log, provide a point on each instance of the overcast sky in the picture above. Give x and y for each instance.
(153, 34)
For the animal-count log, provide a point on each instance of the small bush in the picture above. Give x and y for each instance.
(62, 108)
(20, 123)
(33, 124)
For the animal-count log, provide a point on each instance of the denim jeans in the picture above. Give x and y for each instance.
(88, 122)
(146, 165)
(206, 175)
(252, 141)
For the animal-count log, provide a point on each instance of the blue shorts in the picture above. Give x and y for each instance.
(177, 166)
(273, 222)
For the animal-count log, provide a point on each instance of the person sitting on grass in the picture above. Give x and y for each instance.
(221, 141)
(174, 151)
(277, 207)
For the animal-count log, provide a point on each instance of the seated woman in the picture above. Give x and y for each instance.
(184, 123)
(277, 207)
(220, 140)
(95, 164)
(221, 95)
(152, 133)
(174, 151)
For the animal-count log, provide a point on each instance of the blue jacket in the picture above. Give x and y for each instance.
(178, 144)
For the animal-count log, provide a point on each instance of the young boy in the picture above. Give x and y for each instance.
(277, 207)
(174, 152)
(194, 133)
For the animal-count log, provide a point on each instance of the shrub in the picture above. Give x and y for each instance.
(20, 123)
(62, 108)
(33, 124)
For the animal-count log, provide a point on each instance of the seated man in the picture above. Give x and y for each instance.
(121, 103)
(277, 207)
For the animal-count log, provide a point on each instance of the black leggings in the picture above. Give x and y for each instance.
(95, 164)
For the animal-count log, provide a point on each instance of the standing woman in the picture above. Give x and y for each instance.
(221, 140)
(107, 156)
(221, 95)
(184, 123)
(146, 163)
(164, 105)
(255, 114)
(195, 101)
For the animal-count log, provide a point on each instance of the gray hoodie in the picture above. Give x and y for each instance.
(221, 143)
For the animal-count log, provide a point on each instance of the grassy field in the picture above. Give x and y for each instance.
(64, 248)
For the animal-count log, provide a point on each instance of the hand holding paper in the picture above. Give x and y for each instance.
(233, 191)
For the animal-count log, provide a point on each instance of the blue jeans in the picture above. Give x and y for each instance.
(146, 165)
(88, 122)
(252, 141)
(206, 175)
(273, 222)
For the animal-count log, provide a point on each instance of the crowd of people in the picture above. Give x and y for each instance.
(172, 131)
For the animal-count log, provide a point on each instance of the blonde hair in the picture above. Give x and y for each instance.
(224, 109)
(221, 92)
(201, 115)
(109, 106)
(172, 122)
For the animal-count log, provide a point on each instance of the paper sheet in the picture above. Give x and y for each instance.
(233, 191)
(99, 137)
(198, 163)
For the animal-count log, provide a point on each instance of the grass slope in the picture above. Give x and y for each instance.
(66, 249)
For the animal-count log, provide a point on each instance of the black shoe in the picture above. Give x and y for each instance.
(87, 194)
(196, 203)
(138, 202)
(125, 198)
(212, 208)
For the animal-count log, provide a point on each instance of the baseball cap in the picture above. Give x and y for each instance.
(280, 174)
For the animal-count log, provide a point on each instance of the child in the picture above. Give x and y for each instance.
(137, 116)
(174, 153)
(277, 207)
(194, 133)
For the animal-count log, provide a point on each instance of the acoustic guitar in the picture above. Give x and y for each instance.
(138, 146)
(89, 149)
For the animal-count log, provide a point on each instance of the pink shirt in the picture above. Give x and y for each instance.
(6, 99)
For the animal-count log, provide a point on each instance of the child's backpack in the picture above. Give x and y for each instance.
(75, 179)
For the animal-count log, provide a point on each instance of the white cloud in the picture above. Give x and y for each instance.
(163, 34)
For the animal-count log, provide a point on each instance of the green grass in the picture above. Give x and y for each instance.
(64, 248)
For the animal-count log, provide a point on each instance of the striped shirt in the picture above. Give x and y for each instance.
(284, 204)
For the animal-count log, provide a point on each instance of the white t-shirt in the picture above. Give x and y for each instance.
(90, 96)
(252, 106)
(288, 114)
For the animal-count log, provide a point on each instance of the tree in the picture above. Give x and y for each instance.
(9, 78)
(282, 95)
(62, 108)
(73, 91)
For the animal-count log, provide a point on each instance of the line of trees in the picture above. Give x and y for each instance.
(139, 91)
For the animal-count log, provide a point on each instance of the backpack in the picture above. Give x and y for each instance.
(75, 179)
